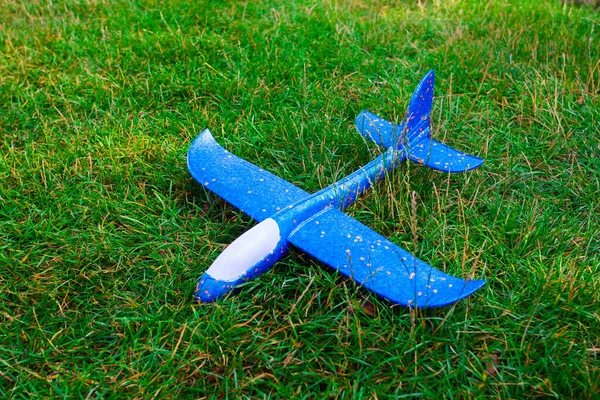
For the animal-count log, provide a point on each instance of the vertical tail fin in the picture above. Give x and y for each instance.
(419, 109)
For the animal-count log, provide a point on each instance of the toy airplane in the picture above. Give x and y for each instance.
(316, 224)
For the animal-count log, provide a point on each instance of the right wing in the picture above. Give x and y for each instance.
(253, 190)
(376, 263)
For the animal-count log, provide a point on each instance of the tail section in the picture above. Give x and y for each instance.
(415, 123)
(414, 135)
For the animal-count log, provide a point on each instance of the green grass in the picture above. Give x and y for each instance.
(103, 233)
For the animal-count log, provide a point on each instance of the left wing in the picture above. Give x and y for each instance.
(253, 190)
(376, 263)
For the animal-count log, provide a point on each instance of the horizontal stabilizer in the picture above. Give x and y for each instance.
(377, 129)
(376, 263)
(422, 149)
(436, 155)
(253, 190)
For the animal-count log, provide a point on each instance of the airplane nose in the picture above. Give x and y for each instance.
(209, 289)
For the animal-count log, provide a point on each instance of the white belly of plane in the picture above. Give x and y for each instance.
(245, 252)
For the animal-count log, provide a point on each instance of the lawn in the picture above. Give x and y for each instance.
(103, 233)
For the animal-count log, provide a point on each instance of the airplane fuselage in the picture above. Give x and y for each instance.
(261, 247)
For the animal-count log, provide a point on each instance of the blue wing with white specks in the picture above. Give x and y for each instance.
(376, 263)
(253, 190)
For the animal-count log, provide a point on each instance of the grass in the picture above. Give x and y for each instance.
(104, 233)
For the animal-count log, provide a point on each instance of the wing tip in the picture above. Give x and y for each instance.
(194, 158)
(203, 137)
(451, 297)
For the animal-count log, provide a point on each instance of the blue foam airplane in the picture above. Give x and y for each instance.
(316, 223)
